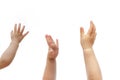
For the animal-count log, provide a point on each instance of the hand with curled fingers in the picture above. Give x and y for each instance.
(87, 40)
(53, 47)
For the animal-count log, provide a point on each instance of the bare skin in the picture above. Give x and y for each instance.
(87, 40)
(16, 37)
(50, 69)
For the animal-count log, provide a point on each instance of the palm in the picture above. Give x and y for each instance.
(17, 34)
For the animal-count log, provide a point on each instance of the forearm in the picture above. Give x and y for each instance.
(8, 54)
(50, 70)
(92, 66)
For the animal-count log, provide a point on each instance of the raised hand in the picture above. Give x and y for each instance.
(9, 54)
(91, 63)
(87, 40)
(17, 35)
(53, 47)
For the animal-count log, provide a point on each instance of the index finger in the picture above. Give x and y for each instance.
(91, 29)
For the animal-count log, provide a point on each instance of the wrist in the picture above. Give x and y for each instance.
(87, 49)
(14, 42)
(51, 60)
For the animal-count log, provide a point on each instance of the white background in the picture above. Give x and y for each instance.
(61, 19)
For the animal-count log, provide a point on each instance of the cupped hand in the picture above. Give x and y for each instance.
(87, 40)
(53, 47)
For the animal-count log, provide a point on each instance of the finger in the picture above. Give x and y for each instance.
(19, 26)
(54, 46)
(90, 29)
(57, 43)
(25, 34)
(49, 40)
(52, 43)
(94, 28)
(81, 31)
(15, 28)
(22, 29)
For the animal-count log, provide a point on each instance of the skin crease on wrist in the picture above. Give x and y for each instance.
(87, 40)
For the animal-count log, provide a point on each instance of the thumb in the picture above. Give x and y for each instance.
(81, 31)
